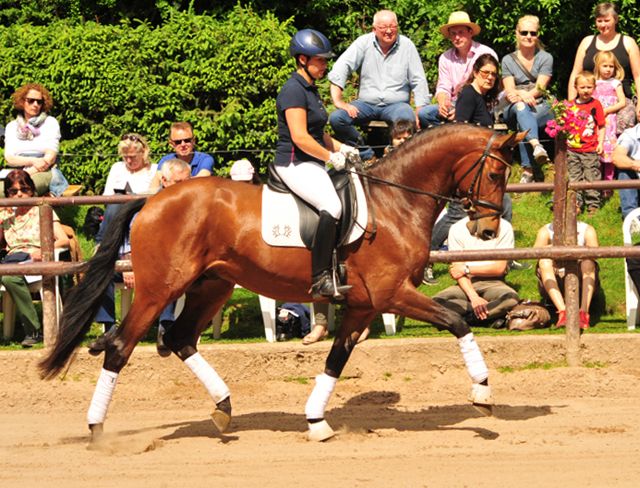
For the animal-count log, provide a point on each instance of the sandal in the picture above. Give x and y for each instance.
(315, 336)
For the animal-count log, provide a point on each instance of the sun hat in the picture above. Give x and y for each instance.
(459, 18)
(242, 170)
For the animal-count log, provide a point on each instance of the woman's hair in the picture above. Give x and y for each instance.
(20, 96)
(401, 126)
(21, 177)
(606, 8)
(492, 95)
(136, 142)
(535, 20)
(603, 56)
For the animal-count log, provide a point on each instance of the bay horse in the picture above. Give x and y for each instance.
(203, 236)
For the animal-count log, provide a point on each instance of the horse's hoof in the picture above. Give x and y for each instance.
(97, 436)
(221, 420)
(482, 399)
(320, 431)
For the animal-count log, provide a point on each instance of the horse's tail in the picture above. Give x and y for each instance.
(85, 299)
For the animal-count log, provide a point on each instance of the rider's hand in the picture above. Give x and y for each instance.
(337, 161)
(351, 154)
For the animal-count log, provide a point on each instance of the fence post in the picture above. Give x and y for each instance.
(49, 314)
(572, 286)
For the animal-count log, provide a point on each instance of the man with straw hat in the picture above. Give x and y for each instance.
(454, 67)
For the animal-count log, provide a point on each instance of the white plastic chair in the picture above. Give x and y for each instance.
(630, 287)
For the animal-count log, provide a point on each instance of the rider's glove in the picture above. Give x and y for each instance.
(351, 154)
(336, 160)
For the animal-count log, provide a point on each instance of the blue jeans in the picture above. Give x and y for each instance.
(523, 117)
(343, 124)
(628, 198)
(430, 115)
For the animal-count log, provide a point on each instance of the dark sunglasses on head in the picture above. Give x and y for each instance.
(14, 191)
(529, 33)
(130, 137)
(177, 142)
(39, 101)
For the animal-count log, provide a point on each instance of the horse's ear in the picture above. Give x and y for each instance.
(511, 140)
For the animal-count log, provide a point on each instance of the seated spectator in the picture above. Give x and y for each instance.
(454, 67)
(524, 72)
(551, 278)
(480, 92)
(133, 175)
(399, 132)
(183, 142)
(20, 228)
(390, 69)
(31, 141)
(481, 295)
(242, 170)
(626, 157)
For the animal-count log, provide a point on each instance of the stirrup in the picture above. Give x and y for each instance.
(327, 285)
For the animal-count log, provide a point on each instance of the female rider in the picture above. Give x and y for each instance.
(303, 149)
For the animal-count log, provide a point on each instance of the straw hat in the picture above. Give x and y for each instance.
(242, 170)
(459, 18)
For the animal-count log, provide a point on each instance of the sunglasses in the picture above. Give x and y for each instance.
(487, 74)
(177, 142)
(130, 137)
(39, 101)
(529, 33)
(14, 191)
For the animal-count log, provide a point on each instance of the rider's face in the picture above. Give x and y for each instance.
(316, 66)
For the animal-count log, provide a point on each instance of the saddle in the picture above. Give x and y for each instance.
(309, 215)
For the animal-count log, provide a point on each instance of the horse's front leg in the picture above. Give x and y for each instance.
(409, 302)
(353, 324)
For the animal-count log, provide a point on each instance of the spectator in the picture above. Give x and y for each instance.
(31, 140)
(399, 132)
(584, 147)
(524, 73)
(481, 295)
(242, 170)
(390, 69)
(479, 93)
(551, 278)
(20, 228)
(626, 157)
(183, 142)
(626, 51)
(454, 67)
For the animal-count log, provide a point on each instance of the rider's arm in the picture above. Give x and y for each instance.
(297, 123)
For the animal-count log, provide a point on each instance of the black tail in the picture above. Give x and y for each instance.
(85, 299)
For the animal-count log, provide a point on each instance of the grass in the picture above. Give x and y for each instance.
(242, 319)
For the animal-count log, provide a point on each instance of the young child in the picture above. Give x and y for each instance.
(611, 95)
(400, 131)
(584, 147)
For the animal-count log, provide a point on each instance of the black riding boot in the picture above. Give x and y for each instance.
(321, 255)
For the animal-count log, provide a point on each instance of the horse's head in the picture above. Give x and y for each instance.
(483, 181)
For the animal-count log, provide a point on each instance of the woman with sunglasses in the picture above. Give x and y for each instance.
(524, 73)
(32, 139)
(479, 93)
(20, 228)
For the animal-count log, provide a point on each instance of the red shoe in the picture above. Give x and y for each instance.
(584, 320)
(562, 319)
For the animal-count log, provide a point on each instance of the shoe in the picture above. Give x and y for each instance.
(540, 154)
(562, 319)
(516, 266)
(428, 277)
(160, 344)
(527, 178)
(32, 339)
(499, 324)
(98, 344)
(592, 211)
(323, 286)
(584, 320)
(319, 333)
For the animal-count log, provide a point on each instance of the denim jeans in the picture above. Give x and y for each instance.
(430, 115)
(523, 117)
(343, 124)
(628, 198)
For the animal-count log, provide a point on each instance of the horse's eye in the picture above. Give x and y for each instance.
(494, 177)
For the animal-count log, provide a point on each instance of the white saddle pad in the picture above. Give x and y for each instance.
(281, 219)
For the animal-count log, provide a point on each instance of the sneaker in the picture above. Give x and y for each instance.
(540, 154)
(161, 345)
(527, 178)
(516, 266)
(562, 319)
(32, 339)
(99, 344)
(428, 277)
(584, 320)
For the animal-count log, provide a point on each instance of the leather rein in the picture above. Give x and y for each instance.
(468, 203)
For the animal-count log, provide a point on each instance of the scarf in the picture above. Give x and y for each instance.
(28, 130)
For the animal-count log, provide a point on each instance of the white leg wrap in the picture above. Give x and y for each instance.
(102, 397)
(476, 367)
(209, 378)
(320, 396)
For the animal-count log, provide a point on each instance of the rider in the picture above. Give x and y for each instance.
(304, 149)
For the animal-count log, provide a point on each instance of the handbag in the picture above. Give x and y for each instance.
(528, 315)
(529, 85)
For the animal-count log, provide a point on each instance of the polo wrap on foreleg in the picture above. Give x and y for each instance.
(209, 378)
(320, 396)
(102, 397)
(476, 366)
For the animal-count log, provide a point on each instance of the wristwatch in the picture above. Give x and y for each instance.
(467, 271)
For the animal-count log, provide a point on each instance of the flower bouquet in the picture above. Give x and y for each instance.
(566, 122)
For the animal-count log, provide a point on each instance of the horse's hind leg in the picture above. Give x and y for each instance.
(204, 299)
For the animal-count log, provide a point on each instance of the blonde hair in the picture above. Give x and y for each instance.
(587, 75)
(136, 143)
(535, 20)
(603, 56)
